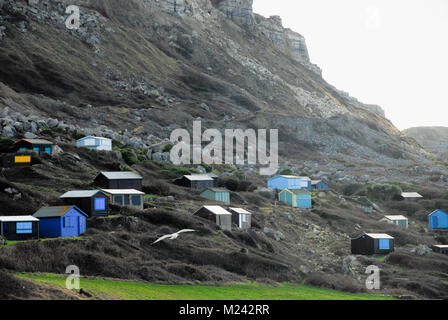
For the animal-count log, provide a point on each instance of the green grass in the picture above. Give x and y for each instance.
(11, 243)
(128, 290)
(380, 258)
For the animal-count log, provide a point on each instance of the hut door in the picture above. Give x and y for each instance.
(435, 222)
(81, 225)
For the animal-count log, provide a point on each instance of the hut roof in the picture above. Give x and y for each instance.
(89, 137)
(379, 236)
(198, 177)
(35, 141)
(123, 191)
(50, 212)
(441, 246)
(79, 194)
(297, 191)
(18, 219)
(218, 189)
(240, 210)
(121, 175)
(411, 195)
(438, 210)
(218, 210)
(397, 217)
(294, 177)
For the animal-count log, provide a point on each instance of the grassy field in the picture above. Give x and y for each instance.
(128, 290)
(11, 243)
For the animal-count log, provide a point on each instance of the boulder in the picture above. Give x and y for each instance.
(201, 169)
(52, 123)
(8, 132)
(277, 235)
(18, 126)
(422, 250)
(157, 156)
(57, 150)
(30, 135)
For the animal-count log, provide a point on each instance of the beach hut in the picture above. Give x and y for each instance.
(95, 143)
(15, 228)
(411, 196)
(438, 220)
(297, 198)
(92, 202)
(63, 221)
(196, 181)
(319, 185)
(242, 218)
(289, 182)
(217, 214)
(217, 194)
(119, 180)
(397, 220)
(372, 243)
(40, 146)
(11, 160)
(440, 248)
(126, 197)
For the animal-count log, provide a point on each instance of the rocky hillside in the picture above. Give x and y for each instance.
(136, 71)
(434, 139)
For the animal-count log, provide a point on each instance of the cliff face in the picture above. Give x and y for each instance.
(241, 12)
(138, 69)
(434, 139)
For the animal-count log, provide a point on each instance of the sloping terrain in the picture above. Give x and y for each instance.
(146, 64)
(284, 245)
(434, 139)
(138, 69)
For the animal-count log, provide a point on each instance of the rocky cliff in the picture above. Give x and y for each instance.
(434, 139)
(138, 69)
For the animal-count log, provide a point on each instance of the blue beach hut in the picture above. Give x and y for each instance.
(438, 220)
(63, 221)
(289, 182)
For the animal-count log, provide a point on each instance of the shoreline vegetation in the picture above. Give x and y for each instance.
(108, 289)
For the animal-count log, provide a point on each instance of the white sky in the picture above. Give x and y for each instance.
(393, 53)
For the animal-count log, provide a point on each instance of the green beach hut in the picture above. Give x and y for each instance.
(217, 194)
(297, 198)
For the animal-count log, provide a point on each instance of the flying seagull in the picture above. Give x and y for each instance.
(173, 235)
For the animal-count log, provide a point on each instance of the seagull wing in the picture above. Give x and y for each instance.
(162, 238)
(186, 230)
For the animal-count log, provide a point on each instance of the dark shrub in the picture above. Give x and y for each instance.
(5, 144)
(352, 189)
(334, 281)
(383, 192)
(158, 187)
(405, 206)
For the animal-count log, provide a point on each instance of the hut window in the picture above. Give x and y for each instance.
(48, 150)
(243, 218)
(136, 200)
(22, 149)
(118, 199)
(384, 244)
(126, 200)
(36, 149)
(67, 222)
(100, 204)
(24, 227)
